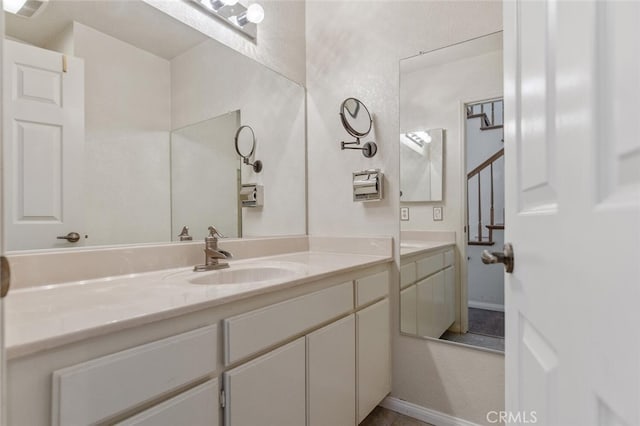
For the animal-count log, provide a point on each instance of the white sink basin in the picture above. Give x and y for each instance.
(255, 272)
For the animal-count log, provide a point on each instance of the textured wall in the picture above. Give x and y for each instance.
(353, 49)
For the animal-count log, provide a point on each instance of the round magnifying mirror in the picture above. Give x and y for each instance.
(355, 118)
(246, 145)
(245, 141)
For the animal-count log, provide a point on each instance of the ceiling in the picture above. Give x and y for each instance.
(134, 22)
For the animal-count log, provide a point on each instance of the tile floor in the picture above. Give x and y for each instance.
(382, 417)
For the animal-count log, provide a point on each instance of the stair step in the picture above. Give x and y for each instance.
(497, 126)
(480, 243)
(496, 226)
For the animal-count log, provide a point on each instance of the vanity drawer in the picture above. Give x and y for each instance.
(408, 274)
(372, 288)
(93, 391)
(195, 407)
(448, 258)
(248, 333)
(429, 265)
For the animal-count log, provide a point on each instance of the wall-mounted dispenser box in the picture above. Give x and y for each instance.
(252, 195)
(367, 185)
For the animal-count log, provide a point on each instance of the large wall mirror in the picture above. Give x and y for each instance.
(119, 126)
(452, 182)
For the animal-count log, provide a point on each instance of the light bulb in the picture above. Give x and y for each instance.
(255, 13)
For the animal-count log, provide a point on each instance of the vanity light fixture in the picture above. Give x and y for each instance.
(219, 4)
(234, 14)
(24, 8)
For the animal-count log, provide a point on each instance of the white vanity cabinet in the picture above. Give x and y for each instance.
(335, 374)
(195, 407)
(106, 387)
(374, 356)
(270, 390)
(428, 294)
(297, 357)
(331, 373)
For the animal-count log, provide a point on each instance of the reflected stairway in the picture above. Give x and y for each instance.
(491, 118)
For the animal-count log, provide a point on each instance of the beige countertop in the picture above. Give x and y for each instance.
(416, 247)
(48, 316)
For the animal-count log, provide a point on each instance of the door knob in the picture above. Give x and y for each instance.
(72, 237)
(505, 257)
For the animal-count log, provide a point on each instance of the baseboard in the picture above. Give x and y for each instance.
(424, 414)
(485, 305)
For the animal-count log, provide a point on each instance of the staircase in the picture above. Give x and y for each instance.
(490, 113)
(491, 118)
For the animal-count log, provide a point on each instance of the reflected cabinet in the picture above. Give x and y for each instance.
(427, 293)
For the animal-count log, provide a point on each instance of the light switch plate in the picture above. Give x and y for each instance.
(437, 213)
(404, 213)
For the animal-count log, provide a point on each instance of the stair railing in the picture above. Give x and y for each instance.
(492, 225)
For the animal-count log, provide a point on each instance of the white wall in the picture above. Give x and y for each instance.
(353, 49)
(280, 42)
(272, 105)
(127, 122)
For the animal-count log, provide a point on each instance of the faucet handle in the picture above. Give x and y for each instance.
(213, 232)
(184, 234)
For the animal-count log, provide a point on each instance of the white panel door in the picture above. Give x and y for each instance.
(331, 374)
(572, 150)
(43, 147)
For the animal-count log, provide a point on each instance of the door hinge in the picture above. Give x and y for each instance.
(223, 399)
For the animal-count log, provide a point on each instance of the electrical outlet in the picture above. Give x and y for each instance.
(437, 213)
(404, 213)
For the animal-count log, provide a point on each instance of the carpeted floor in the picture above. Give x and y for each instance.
(485, 322)
(382, 417)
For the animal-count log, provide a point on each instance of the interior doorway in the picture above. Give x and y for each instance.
(484, 168)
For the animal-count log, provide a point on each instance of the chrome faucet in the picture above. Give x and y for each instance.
(212, 254)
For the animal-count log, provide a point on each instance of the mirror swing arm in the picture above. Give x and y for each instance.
(355, 107)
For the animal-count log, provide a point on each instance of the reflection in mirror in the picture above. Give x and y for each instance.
(245, 143)
(357, 121)
(104, 84)
(355, 118)
(421, 161)
(202, 157)
(451, 210)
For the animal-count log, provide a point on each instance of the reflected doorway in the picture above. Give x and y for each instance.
(484, 153)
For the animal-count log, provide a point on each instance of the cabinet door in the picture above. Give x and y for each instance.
(440, 314)
(331, 374)
(374, 356)
(408, 319)
(195, 407)
(424, 307)
(450, 294)
(269, 390)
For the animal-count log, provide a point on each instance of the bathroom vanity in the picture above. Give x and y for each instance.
(427, 287)
(295, 338)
